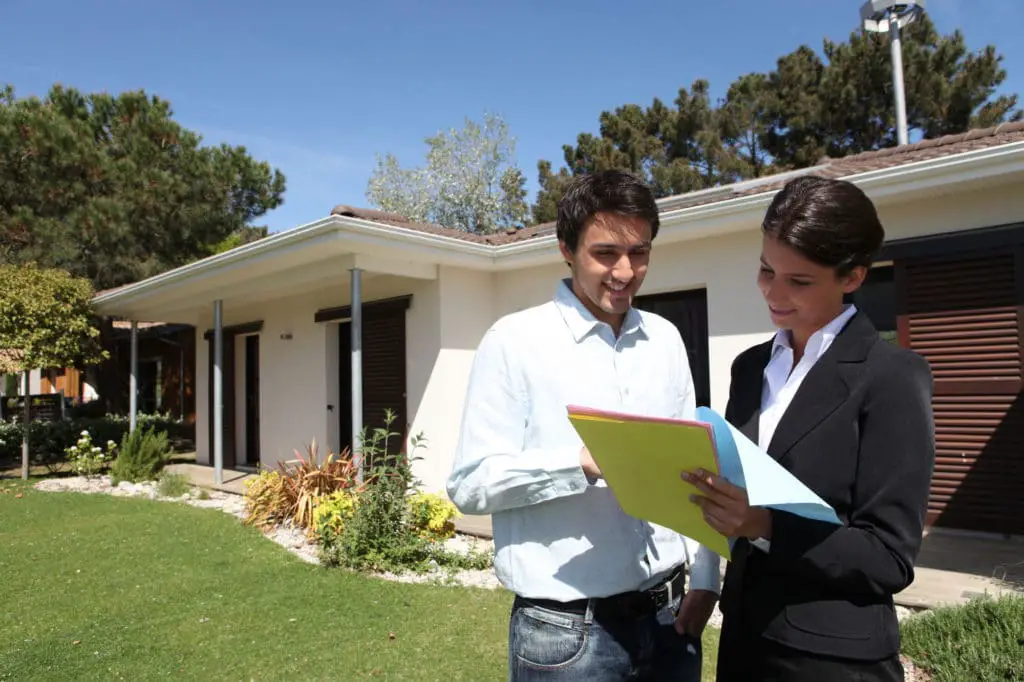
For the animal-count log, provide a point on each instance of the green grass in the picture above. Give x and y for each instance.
(982, 641)
(120, 588)
(103, 587)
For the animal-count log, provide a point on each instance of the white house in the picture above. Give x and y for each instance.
(950, 285)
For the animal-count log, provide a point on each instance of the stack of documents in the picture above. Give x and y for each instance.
(642, 458)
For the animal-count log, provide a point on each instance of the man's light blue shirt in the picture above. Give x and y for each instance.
(556, 535)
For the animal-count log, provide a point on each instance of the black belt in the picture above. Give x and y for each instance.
(636, 603)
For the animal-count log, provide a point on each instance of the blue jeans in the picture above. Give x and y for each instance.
(547, 645)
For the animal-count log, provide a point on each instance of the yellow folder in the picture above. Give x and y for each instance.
(642, 458)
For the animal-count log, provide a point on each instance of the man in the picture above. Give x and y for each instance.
(596, 590)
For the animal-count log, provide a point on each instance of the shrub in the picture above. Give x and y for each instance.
(292, 492)
(87, 459)
(308, 481)
(378, 536)
(173, 485)
(981, 641)
(332, 511)
(391, 529)
(143, 454)
(49, 441)
(265, 500)
(432, 516)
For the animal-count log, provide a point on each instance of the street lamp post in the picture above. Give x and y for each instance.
(889, 16)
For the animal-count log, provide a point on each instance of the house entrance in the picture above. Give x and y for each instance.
(240, 381)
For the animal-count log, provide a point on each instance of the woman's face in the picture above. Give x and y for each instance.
(802, 296)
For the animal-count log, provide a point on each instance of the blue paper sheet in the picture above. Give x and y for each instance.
(768, 483)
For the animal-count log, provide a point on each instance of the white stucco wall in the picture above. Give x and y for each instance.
(453, 317)
(298, 375)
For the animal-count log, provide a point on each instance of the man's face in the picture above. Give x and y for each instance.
(610, 264)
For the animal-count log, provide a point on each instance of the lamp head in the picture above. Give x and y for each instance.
(875, 14)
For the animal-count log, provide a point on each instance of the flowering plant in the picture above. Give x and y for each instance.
(88, 459)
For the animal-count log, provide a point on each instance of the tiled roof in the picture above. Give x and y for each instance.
(846, 166)
(395, 220)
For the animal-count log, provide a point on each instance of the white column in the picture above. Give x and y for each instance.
(133, 379)
(356, 326)
(218, 392)
(26, 417)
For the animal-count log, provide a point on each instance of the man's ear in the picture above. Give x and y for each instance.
(566, 253)
(564, 249)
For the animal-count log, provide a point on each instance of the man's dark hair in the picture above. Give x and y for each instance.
(830, 222)
(603, 192)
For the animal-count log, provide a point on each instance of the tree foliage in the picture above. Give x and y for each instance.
(240, 237)
(46, 319)
(470, 180)
(808, 107)
(110, 188)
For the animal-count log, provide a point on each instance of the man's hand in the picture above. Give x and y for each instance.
(695, 612)
(727, 508)
(590, 467)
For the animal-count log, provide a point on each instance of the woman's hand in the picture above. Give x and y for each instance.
(726, 507)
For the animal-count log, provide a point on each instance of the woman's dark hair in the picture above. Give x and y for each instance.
(831, 222)
(606, 191)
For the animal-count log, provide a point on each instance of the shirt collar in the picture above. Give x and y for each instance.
(821, 339)
(582, 322)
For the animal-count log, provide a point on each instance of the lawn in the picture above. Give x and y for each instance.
(982, 641)
(104, 587)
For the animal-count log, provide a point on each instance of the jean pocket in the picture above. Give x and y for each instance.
(546, 639)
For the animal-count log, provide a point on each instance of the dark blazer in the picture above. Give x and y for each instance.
(860, 433)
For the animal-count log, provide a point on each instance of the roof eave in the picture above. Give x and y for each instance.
(690, 222)
(722, 217)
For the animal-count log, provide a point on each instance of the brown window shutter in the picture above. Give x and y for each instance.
(384, 375)
(964, 315)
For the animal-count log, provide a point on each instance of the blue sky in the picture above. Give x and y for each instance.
(318, 88)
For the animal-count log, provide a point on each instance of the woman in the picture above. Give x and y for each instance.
(850, 416)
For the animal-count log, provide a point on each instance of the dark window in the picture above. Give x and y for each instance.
(876, 298)
(688, 311)
(251, 456)
(150, 385)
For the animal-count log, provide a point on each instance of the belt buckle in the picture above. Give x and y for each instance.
(665, 593)
(666, 589)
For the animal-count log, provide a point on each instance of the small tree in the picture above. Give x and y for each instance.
(470, 182)
(46, 320)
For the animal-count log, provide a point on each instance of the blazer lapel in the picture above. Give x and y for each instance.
(824, 388)
(746, 415)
